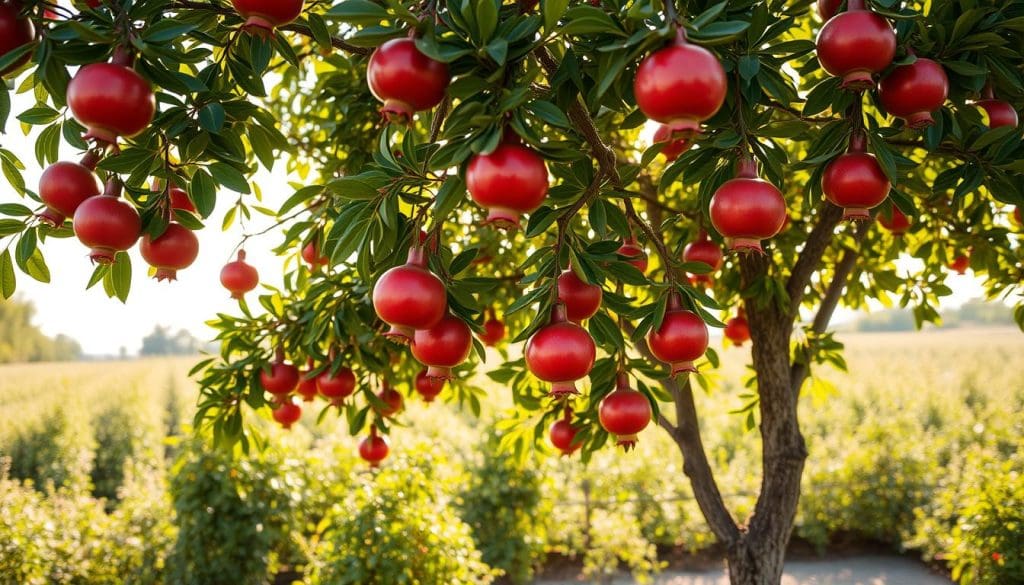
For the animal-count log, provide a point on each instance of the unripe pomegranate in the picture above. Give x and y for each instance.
(494, 330)
(111, 100)
(855, 45)
(374, 449)
(828, 8)
(674, 147)
(680, 85)
(287, 413)
(914, 91)
(508, 182)
(180, 200)
(63, 187)
(428, 387)
(855, 181)
(582, 300)
(406, 80)
(307, 383)
(239, 277)
(107, 224)
(392, 399)
(960, 264)
(336, 387)
(263, 16)
(898, 223)
(737, 330)
(999, 113)
(560, 353)
(563, 434)
(624, 413)
(410, 297)
(681, 339)
(312, 256)
(15, 32)
(705, 252)
(632, 252)
(281, 379)
(747, 209)
(443, 346)
(176, 249)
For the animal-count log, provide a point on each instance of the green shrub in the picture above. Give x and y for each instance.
(50, 452)
(117, 436)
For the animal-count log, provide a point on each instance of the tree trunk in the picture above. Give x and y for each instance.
(756, 564)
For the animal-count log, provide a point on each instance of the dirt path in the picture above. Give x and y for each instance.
(869, 570)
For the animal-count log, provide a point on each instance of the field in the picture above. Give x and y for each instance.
(919, 446)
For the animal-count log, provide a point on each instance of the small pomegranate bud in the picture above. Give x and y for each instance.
(706, 252)
(681, 339)
(632, 252)
(406, 80)
(563, 434)
(855, 181)
(428, 387)
(582, 300)
(307, 383)
(624, 413)
(747, 209)
(287, 413)
(374, 449)
(442, 347)
(855, 45)
(560, 353)
(737, 330)
(392, 399)
(263, 16)
(176, 249)
(494, 330)
(914, 91)
(336, 387)
(107, 224)
(960, 264)
(64, 186)
(673, 147)
(508, 182)
(897, 223)
(282, 378)
(239, 277)
(410, 297)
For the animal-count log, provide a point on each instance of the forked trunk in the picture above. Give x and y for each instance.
(756, 564)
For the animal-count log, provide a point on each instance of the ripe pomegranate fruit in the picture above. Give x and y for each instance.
(1016, 216)
(634, 254)
(681, 339)
(336, 387)
(508, 182)
(914, 91)
(494, 330)
(560, 353)
(680, 85)
(287, 413)
(410, 297)
(281, 379)
(406, 80)
(582, 300)
(176, 249)
(897, 223)
(107, 224)
(624, 413)
(704, 251)
(263, 16)
(443, 346)
(999, 113)
(307, 383)
(828, 8)
(64, 186)
(15, 32)
(111, 100)
(855, 181)
(563, 434)
(374, 449)
(392, 399)
(674, 147)
(239, 277)
(428, 387)
(312, 256)
(855, 45)
(737, 330)
(960, 264)
(747, 209)
(180, 200)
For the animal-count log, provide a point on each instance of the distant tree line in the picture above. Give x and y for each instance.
(974, 312)
(21, 341)
(163, 342)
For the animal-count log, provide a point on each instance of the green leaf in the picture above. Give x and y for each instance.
(709, 15)
(553, 11)
(361, 12)
(548, 112)
(8, 282)
(167, 29)
(121, 276)
(749, 66)
(11, 226)
(486, 12)
(451, 193)
(203, 192)
(229, 177)
(39, 115)
(720, 31)
(48, 145)
(211, 118)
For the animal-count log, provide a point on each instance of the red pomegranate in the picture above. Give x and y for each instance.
(374, 449)
(176, 249)
(263, 16)
(508, 182)
(406, 80)
(107, 224)
(15, 32)
(494, 330)
(855, 45)
(239, 277)
(560, 353)
(582, 300)
(410, 297)
(737, 330)
(181, 200)
(747, 209)
(1016, 216)
(999, 113)
(111, 100)
(428, 387)
(392, 399)
(287, 413)
(624, 413)
(706, 252)
(681, 339)
(897, 223)
(632, 252)
(914, 91)
(960, 264)
(828, 8)
(312, 256)
(674, 147)
(563, 434)
(282, 377)
(855, 181)
(680, 85)
(336, 387)
(307, 383)
(443, 346)
(63, 187)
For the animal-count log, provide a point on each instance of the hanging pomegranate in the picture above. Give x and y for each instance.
(747, 209)
(111, 100)
(442, 347)
(737, 330)
(107, 224)
(560, 353)
(410, 297)
(897, 222)
(582, 300)
(312, 256)
(392, 399)
(282, 377)
(15, 32)
(64, 186)
(999, 112)
(239, 277)
(508, 182)
(307, 383)
(287, 413)
(181, 200)
(634, 254)
(624, 413)
(563, 434)
(374, 449)
(338, 386)
(175, 249)
(828, 8)
(914, 91)
(494, 330)
(680, 85)
(960, 264)
(406, 80)
(428, 387)
(706, 252)
(681, 339)
(855, 45)
(674, 146)
(263, 16)
(855, 181)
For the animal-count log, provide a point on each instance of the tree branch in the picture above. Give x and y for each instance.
(810, 257)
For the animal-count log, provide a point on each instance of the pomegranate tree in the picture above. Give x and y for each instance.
(405, 79)
(855, 181)
(175, 249)
(410, 297)
(239, 277)
(508, 182)
(856, 45)
(747, 209)
(561, 353)
(107, 224)
(681, 339)
(624, 413)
